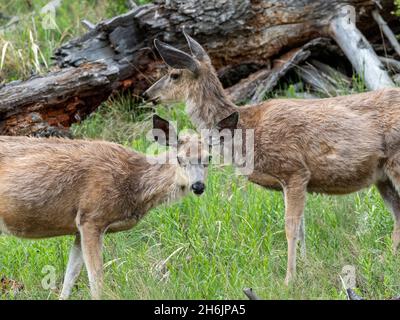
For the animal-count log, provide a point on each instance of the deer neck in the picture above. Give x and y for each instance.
(208, 107)
(162, 183)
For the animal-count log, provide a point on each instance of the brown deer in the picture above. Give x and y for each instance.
(333, 146)
(55, 187)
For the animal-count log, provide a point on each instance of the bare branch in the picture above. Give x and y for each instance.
(250, 294)
(387, 31)
(391, 62)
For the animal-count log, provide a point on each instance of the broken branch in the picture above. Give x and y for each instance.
(257, 85)
(250, 294)
(387, 31)
(360, 53)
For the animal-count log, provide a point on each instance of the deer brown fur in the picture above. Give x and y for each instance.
(54, 187)
(334, 146)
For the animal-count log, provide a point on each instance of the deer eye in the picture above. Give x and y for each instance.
(175, 76)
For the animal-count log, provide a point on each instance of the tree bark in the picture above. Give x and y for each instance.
(241, 36)
(47, 105)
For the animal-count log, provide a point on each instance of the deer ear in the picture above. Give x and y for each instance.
(163, 132)
(230, 122)
(176, 58)
(197, 50)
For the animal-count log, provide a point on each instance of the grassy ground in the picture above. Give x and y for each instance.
(207, 247)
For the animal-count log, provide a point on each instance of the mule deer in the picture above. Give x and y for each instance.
(333, 146)
(54, 187)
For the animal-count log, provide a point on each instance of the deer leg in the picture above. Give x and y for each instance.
(392, 200)
(74, 267)
(92, 245)
(295, 196)
(302, 237)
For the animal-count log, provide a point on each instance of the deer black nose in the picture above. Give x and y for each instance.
(198, 187)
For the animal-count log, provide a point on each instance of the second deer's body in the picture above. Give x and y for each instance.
(334, 146)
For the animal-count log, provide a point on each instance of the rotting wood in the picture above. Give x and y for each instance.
(47, 105)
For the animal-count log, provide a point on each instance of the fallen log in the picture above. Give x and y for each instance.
(47, 105)
(241, 36)
(257, 85)
(360, 52)
(234, 32)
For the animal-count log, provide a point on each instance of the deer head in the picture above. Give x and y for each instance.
(188, 74)
(191, 153)
(192, 79)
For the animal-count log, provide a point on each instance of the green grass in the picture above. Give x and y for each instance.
(27, 46)
(207, 247)
(397, 3)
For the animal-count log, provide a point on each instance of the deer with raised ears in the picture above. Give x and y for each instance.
(334, 146)
(55, 187)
